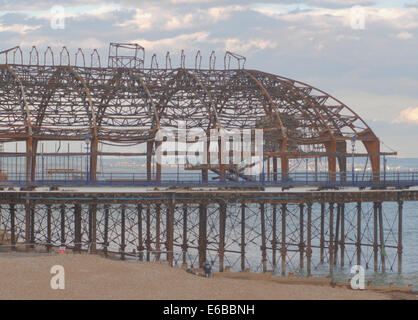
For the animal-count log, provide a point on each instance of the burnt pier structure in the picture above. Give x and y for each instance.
(286, 231)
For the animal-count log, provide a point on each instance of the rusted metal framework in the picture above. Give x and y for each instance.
(125, 102)
(289, 232)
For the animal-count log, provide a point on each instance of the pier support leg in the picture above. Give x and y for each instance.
(263, 238)
(301, 237)
(93, 228)
(243, 237)
(170, 233)
(48, 227)
(382, 239)
(358, 242)
(122, 233)
(331, 238)
(32, 226)
(222, 230)
(140, 236)
(337, 234)
(158, 232)
(375, 241)
(322, 234)
(309, 241)
(27, 225)
(400, 230)
(148, 231)
(202, 234)
(62, 220)
(342, 237)
(106, 230)
(77, 228)
(12, 225)
(283, 246)
(274, 240)
(185, 238)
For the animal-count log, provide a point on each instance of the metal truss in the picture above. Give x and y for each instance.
(300, 236)
(126, 102)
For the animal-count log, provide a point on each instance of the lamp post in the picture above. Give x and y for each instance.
(87, 141)
(353, 145)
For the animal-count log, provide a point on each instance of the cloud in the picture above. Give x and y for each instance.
(18, 28)
(409, 115)
(154, 18)
(248, 46)
(182, 41)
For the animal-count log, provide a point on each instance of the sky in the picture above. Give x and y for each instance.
(363, 52)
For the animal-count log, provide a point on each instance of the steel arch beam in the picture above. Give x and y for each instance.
(284, 160)
(93, 125)
(30, 142)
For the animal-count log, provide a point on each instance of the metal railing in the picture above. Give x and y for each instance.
(292, 179)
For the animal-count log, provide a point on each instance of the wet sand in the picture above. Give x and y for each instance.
(24, 276)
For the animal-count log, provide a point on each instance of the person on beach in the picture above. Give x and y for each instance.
(208, 269)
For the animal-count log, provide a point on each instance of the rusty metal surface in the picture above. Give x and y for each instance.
(126, 102)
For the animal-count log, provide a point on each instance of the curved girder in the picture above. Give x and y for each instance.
(303, 111)
(154, 107)
(90, 101)
(272, 104)
(173, 89)
(318, 114)
(227, 96)
(25, 107)
(344, 106)
(211, 110)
